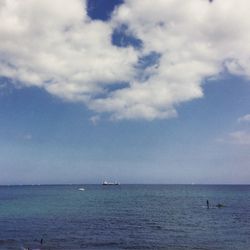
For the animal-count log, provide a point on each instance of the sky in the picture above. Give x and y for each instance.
(135, 91)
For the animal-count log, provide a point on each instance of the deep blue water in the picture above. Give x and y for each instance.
(124, 217)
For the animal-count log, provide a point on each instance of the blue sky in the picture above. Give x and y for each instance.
(53, 134)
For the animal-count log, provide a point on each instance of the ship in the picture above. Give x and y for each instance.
(106, 183)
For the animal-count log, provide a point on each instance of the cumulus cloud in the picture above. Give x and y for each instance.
(245, 118)
(56, 46)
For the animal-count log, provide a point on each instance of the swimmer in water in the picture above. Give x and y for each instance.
(219, 205)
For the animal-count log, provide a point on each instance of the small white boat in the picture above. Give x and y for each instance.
(81, 189)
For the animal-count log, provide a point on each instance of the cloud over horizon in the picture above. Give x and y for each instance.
(245, 118)
(240, 137)
(58, 47)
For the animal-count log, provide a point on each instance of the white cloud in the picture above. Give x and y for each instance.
(94, 119)
(245, 118)
(56, 46)
(240, 137)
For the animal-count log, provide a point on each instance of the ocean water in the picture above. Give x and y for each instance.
(125, 217)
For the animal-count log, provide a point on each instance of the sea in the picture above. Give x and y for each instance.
(125, 217)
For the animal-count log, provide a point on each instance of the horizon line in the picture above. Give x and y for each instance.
(169, 184)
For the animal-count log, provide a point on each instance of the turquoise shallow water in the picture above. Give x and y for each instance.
(124, 217)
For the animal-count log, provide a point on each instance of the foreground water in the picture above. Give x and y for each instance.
(124, 217)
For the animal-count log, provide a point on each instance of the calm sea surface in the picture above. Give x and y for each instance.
(124, 217)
